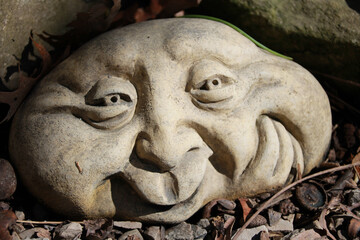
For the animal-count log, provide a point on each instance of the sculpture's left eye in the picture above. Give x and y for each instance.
(110, 103)
(112, 99)
(213, 91)
(212, 85)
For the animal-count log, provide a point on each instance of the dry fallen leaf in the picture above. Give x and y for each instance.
(354, 228)
(245, 208)
(98, 228)
(15, 98)
(357, 168)
(7, 219)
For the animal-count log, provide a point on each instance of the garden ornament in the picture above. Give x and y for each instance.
(151, 121)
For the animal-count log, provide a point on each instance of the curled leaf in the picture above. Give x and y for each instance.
(15, 98)
(354, 228)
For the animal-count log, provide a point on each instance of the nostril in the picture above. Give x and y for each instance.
(193, 149)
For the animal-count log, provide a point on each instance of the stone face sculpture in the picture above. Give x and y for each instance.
(151, 121)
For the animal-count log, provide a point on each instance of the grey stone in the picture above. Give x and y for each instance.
(354, 197)
(300, 234)
(164, 116)
(250, 233)
(198, 232)
(18, 17)
(70, 231)
(135, 233)
(322, 35)
(128, 224)
(204, 223)
(274, 217)
(282, 225)
(182, 231)
(20, 215)
(153, 233)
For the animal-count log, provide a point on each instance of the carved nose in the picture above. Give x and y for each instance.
(165, 148)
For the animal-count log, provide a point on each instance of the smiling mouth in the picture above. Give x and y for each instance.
(167, 188)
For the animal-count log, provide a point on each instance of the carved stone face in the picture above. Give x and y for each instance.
(151, 121)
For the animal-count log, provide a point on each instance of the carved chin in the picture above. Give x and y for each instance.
(170, 187)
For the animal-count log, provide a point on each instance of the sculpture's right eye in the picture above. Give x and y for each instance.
(110, 103)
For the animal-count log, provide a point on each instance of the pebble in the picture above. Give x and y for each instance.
(199, 232)
(153, 233)
(69, 231)
(354, 197)
(7, 179)
(274, 217)
(301, 234)
(128, 224)
(282, 226)
(182, 231)
(20, 215)
(134, 233)
(204, 223)
(252, 233)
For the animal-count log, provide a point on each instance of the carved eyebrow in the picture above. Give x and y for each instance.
(67, 80)
(232, 54)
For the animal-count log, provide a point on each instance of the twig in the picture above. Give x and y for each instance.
(78, 167)
(43, 222)
(356, 205)
(344, 103)
(348, 211)
(341, 80)
(267, 203)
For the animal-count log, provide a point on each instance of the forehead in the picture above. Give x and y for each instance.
(183, 41)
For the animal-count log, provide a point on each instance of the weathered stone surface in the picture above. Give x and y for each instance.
(153, 233)
(353, 197)
(69, 231)
(321, 35)
(198, 232)
(133, 234)
(8, 180)
(19, 17)
(128, 224)
(151, 121)
(281, 226)
(204, 223)
(183, 231)
(252, 233)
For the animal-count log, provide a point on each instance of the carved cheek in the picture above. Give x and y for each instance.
(291, 96)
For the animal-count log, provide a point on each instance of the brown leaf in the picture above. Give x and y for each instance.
(349, 135)
(207, 209)
(171, 7)
(15, 98)
(218, 224)
(342, 182)
(354, 228)
(228, 225)
(357, 168)
(7, 219)
(264, 236)
(98, 228)
(245, 208)
(43, 233)
(322, 221)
